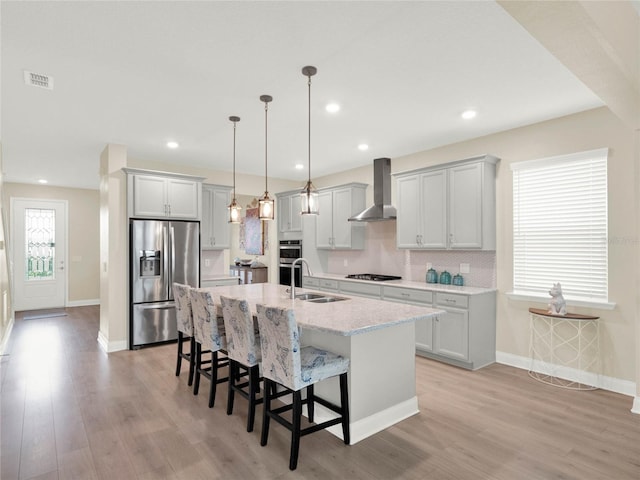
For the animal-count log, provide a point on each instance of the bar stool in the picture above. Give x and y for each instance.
(184, 320)
(209, 332)
(243, 350)
(294, 368)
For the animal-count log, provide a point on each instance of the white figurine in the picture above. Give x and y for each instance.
(557, 306)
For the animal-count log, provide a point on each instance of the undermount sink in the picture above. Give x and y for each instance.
(327, 299)
(318, 298)
(309, 296)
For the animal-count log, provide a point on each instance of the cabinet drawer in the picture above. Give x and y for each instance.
(452, 300)
(400, 293)
(361, 289)
(328, 284)
(310, 282)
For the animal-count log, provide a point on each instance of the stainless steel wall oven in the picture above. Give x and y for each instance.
(290, 250)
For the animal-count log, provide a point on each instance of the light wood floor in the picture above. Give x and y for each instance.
(68, 410)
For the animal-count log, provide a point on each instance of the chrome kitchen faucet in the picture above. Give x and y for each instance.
(293, 279)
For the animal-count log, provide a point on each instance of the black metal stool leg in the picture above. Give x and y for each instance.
(233, 369)
(214, 379)
(295, 432)
(192, 360)
(266, 409)
(179, 363)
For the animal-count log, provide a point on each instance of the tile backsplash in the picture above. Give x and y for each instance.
(381, 256)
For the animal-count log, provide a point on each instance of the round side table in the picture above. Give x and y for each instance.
(564, 349)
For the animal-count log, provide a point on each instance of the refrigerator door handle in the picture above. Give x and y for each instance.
(172, 253)
(167, 264)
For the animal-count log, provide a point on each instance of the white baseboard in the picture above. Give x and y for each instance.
(83, 303)
(636, 405)
(109, 347)
(365, 427)
(612, 384)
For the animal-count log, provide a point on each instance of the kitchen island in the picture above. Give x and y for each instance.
(377, 336)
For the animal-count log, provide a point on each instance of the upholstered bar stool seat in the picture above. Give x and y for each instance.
(295, 368)
(209, 332)
(243, 349)
(184, 320)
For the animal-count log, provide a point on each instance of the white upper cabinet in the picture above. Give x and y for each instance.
(448, 207)
(288, 210)
(163, 195)
(336, 205)
(214, 231)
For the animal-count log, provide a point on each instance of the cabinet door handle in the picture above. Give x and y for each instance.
(405, 294)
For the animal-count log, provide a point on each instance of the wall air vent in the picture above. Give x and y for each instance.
(38, 80)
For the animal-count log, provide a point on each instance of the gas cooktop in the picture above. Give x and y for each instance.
(373, 276)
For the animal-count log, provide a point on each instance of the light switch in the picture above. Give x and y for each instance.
(464, 268)
(207, 262)
(429, 265)
(345, 263)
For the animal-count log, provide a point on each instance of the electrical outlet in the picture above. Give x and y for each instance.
(345, 263)
(464, 268)
(207, 262)
(429, 265)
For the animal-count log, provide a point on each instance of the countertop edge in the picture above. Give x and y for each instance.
(432, 287)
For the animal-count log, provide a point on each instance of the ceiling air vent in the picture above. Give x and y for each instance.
(38, 80)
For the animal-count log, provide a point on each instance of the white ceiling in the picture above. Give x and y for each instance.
(142, 73)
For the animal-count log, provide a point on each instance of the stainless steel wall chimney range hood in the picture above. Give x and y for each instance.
(381, 208)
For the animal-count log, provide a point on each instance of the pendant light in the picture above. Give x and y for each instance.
(266, 204)
(309, 194)
(234, 208)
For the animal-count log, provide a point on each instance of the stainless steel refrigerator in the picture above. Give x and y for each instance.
(161, 252)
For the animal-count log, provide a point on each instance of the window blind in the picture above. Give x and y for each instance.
(560, 225)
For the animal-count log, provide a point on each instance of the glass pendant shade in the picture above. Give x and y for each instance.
(266, 207)
(309, 200)
(234, 211)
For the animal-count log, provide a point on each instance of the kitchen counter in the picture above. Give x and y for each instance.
(353, 316)
(432, 287)
(377, 336)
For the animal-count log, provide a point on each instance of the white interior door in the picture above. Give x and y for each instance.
(39, 231)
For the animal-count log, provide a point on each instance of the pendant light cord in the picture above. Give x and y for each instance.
(309, 126)
(266, 107)
(234, 160)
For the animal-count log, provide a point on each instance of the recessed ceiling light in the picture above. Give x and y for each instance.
(363, 147)
(172, 145)
(43, 181)
(469, 114)
(299, 166)
(332, 108)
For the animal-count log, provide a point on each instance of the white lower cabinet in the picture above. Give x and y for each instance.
(451, 334)
(465, 335)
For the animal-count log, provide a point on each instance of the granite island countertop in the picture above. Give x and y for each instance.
(432, 287)
(353, 316)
